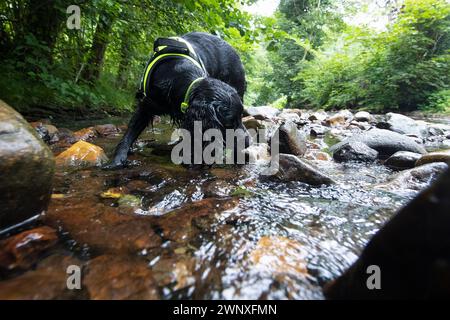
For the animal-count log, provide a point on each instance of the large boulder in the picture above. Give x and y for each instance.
(412, 252)
(404, 125)
(386, 142)
(402, 160)
(27, 167)
(291, 168)
(354, 151)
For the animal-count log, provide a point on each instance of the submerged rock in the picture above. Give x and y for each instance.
(105, 130)
(384, 141)
(101, 228)
(113, 277)
(47, 282)
(354, 151)
(85, 134)
(183, 224)
(439, 156)
(414, 179)
(22, 250)
(292, 168)
(412, 252)
(82, 154)
(402, 160)
(26, 169)
(279, 255)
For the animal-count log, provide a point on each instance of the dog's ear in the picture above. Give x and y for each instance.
(204, 112)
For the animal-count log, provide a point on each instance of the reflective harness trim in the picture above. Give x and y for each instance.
(178, 55)
(192, 57)
(185, 103)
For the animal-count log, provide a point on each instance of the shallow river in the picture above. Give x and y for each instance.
(232, 235)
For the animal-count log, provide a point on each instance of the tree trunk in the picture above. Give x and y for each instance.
(44, 20)
(125, 52)
(97, 52)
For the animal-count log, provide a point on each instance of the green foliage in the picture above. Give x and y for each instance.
(396, 69)
(438, 101)
(99, 66)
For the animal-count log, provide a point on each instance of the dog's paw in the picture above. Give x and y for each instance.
(114, 165)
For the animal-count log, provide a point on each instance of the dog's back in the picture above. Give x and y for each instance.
(220, 59)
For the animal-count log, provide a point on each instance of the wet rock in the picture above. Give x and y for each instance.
(291, 140)
(296, 111)
(339, 118)
(86, 134)
(101, 228)
(411, 250)
(384, 141)
(359, 125)
(405, 125)
(176, 271)
(23, 250)
(289, 116)
(252, 123)
(438, 129)
(439, 156)
(291, 168)
(263, 112)
(318, 130)
(317, 155)
(445, 144)
(354, 151)
(47, 282)
(65, 137)
(41, 131)
(105, 130)
(402, 160)
(318, 116)
(112, 277)
(180, 225)
(216, 188)
(279, 255)
(258, 152)
(363, 116)
(82, 154)
(414, 179)
(26, 166)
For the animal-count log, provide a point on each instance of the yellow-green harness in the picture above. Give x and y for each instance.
(173, 47)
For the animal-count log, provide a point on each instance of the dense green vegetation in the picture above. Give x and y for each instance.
(305, 55)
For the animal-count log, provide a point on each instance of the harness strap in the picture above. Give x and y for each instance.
(158, 59)
(185, 103)
(173, 47)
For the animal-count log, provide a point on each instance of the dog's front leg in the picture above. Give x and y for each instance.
(137, 124)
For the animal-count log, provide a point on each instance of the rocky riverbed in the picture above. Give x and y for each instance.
(155, 230)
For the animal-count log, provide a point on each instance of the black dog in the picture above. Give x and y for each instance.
(214, 92)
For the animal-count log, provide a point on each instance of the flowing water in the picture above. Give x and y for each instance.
(222, 233)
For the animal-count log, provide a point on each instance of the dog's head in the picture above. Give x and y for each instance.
(216, 105)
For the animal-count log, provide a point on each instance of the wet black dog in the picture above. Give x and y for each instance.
(216, 100)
